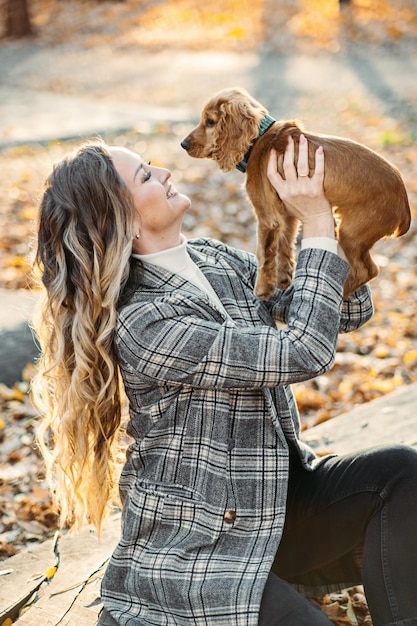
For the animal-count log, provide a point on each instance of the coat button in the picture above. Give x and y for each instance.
(229, 517)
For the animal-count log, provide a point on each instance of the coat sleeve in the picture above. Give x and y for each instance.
(165, 341)
(356, 310)
(354, 313)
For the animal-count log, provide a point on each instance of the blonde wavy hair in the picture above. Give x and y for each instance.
(85, 228)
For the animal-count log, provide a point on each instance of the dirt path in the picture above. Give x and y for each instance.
(48, 94)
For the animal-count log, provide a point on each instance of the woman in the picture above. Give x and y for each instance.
(216, 466)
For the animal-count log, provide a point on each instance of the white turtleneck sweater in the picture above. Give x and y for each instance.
(178, 261)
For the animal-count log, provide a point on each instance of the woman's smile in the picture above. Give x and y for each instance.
(171, 192)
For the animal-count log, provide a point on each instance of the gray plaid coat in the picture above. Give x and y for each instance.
(204, 487)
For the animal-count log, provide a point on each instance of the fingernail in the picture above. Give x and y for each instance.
(302, 138)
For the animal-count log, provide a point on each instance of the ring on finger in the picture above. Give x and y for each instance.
(302, 175)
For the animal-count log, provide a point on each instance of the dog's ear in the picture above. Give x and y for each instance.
(236, 129)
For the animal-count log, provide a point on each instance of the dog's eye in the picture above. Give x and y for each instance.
(210, 122)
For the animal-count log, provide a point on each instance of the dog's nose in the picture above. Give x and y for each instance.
(185, 144)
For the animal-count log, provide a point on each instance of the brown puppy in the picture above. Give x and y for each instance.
(366, 192)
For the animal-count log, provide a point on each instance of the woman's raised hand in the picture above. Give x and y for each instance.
(303, 195)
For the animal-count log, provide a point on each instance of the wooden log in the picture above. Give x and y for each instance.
(386, 420)
(73, 595)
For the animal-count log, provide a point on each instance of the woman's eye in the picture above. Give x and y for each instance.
(146, 176)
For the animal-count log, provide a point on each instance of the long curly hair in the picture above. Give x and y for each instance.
(85, 228)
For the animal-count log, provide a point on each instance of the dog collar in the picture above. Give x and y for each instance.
(266, 123)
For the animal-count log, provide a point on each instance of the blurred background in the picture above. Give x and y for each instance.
(137, 73)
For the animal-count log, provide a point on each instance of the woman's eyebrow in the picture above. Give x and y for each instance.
(139, 167)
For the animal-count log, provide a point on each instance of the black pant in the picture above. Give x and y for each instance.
(366, 499)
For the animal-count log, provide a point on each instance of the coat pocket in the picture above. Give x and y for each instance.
(144, 508)
(166, 528)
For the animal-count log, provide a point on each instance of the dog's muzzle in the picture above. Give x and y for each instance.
(185, 144)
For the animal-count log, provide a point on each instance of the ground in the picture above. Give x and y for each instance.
(89, 51)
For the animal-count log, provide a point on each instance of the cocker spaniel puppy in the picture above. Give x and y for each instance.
(366, 192)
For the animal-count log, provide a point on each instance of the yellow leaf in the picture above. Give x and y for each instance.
(50, 573)
(410, 358)
(236, 33)
(381, 352)
(16, 261)
(6, 393)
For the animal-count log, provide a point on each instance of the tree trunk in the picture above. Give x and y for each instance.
(17, 19)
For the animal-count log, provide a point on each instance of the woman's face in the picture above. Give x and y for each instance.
(159, 207)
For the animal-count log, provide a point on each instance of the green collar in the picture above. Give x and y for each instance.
(266, 123)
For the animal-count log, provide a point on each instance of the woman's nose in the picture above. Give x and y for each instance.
(164, 174)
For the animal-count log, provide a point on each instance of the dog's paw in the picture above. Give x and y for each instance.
(262, 294)
(284, 281)
(263, 290)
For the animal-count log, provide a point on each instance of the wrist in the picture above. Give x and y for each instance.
(319, 227)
